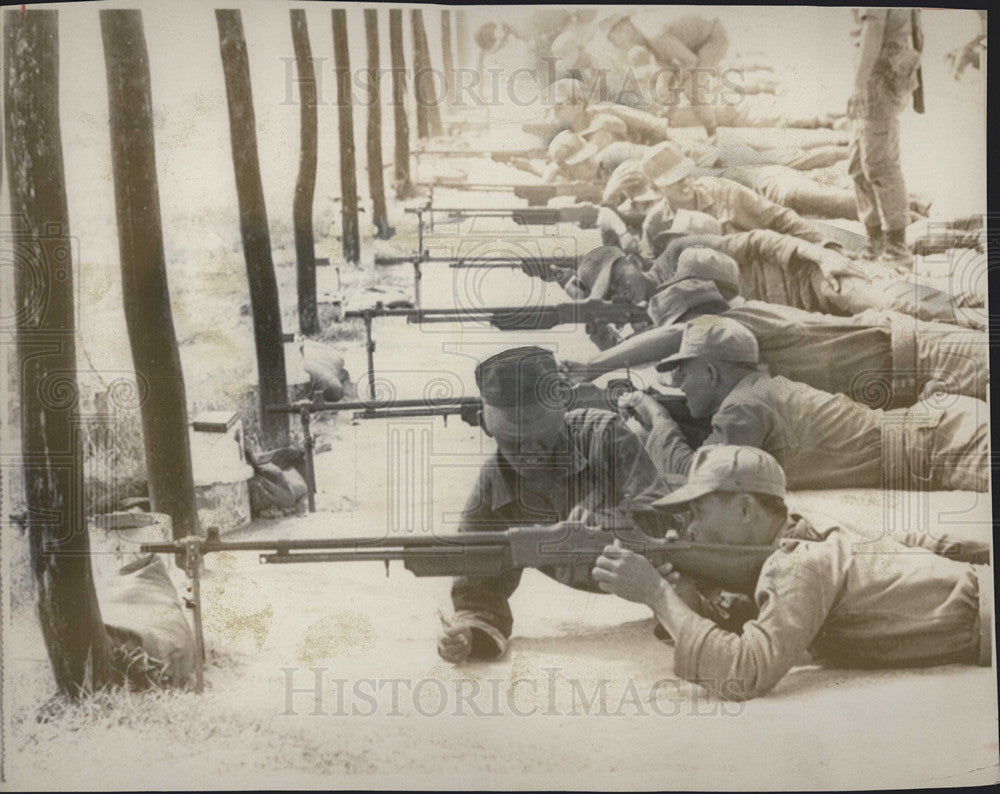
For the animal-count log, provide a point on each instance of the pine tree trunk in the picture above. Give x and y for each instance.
(78, 644)
(144, 274)
(305, 184)
(345, 122)
(428, 112)
(253, 228)
(401, 126)
(376, 175)
(446, 55)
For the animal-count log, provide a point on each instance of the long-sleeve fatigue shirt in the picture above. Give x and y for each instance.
(827, 440)
(851, 603)
(774, 268)
(860, 355)
(739, 209)
(606, 467)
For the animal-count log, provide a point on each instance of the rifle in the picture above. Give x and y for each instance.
(734, 568)
(539, 195)
(580, 395)
(500, 156)
(511, 318)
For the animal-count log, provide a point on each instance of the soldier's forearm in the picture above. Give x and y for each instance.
(649, 346)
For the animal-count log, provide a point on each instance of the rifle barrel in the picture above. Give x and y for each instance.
(362, 405)
(435, 543)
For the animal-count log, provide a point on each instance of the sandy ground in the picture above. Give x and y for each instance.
(389, 712)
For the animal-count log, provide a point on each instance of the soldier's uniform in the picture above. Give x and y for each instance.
(874, 160)
(826, 440)
(876, 358)
(604, 467)
(774, 268)
(917, 599)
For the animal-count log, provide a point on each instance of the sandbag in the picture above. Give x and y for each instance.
(278, 483)
(142, 612)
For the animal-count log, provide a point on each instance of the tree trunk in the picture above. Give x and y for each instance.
(305, 185)
(401, 156)
(446, 55)
(78, 644)
(144, 274)
(376, 177)
(425, 92)
(345, 122)
(253, 227)
(462, 38)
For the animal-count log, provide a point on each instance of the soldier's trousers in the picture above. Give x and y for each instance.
(873, 164)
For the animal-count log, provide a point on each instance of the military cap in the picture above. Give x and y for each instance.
(593, 263)
(701, 262)
(729, 468)
(666, 164)
(720, 338)
(670, 303)
(520, 376)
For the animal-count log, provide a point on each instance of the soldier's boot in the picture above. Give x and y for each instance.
(875, 246)
(897, 255)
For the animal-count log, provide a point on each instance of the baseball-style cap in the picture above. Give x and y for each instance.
(564, 146)
(730, 468)
(522, 389)
(593, 263)
(673, 301)
(607, 122)
(720, 338)
(693, 222)
(700, 262)
(666, 164)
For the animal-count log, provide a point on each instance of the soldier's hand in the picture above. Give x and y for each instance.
(455, 644)
(835, 266)
(627, 575)
(643, 408)
(683, 585)
(576, 371)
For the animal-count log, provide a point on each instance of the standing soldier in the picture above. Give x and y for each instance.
(886, 76)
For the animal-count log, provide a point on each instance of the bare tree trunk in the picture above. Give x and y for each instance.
(144, 274)
(401, 156)
(305, 185)
(345, 122)
(462, 38)
(446, 55)
(78, 644)
(253, 227)
(376, 177)
(428, 112)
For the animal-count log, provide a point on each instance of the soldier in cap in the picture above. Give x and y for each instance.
(551, 464)
(779, 268)
(671, 174)
(823, 440)
(919, 600)
(877, 358)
